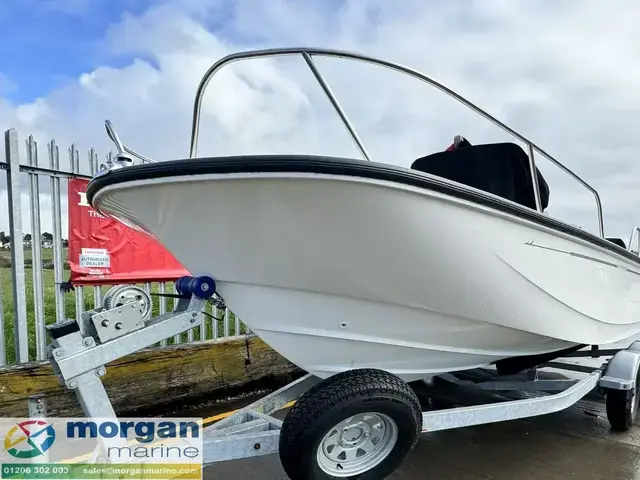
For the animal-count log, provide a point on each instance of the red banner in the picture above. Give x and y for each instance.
(104, 251)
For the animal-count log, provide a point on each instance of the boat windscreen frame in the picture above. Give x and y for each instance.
(308, 54)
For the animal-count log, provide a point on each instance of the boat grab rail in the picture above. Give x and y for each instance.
(636, 230)
(309, 53)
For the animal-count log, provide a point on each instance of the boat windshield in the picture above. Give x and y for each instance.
(308, 55)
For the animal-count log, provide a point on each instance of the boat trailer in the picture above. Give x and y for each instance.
(361, 420)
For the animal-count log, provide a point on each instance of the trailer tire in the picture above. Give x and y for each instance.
(355, 407)
(622, 407)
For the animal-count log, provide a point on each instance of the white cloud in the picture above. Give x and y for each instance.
(564, 74)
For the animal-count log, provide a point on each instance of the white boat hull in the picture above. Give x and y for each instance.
(340, 272)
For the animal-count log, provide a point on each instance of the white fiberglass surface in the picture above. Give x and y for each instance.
(388, 243)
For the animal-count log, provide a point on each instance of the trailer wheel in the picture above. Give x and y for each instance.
(357, 424)
(622, 407)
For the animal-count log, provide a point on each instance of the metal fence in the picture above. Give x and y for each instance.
(31, 293)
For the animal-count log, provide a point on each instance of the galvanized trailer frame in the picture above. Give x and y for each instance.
(80, 353)
(253, 430)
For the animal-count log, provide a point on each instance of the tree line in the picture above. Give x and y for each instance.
(45, 238)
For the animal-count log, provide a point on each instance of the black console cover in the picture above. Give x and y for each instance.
(498, 168)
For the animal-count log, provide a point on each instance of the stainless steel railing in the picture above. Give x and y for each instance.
(635, 233)
(309, 53)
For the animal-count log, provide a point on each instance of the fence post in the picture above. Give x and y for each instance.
(162, 309)
(176, 338)
(215, 332)
(20, 331)
(227, 322)
(74, 161)
(93, 167)
(36, 251)
(3, 350)
(58, 263)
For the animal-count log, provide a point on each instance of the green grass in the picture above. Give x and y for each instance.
(47, 253)
(70, 309)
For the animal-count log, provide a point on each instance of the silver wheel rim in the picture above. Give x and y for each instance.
(357, 444)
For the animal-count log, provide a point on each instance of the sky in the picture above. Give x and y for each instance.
(563, 74)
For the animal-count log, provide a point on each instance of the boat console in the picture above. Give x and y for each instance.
(498, 168)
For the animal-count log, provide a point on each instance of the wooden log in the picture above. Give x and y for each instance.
(152, 380)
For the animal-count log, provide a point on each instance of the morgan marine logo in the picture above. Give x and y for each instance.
(29, 439)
